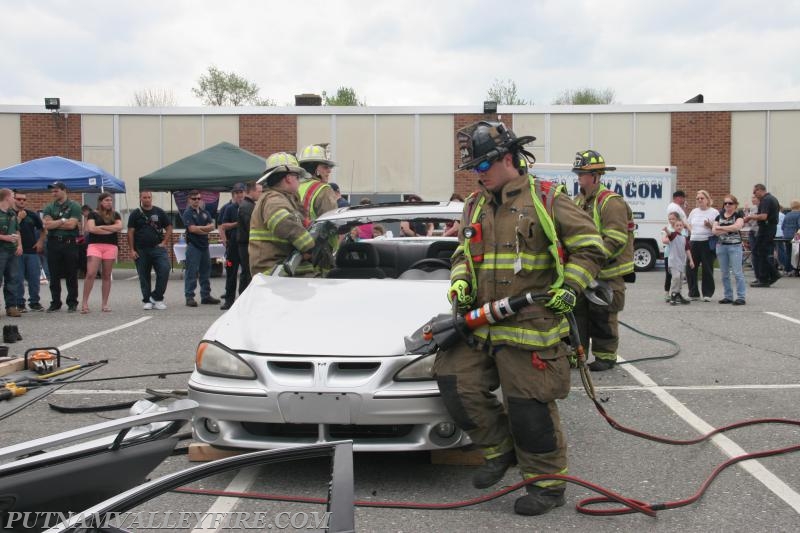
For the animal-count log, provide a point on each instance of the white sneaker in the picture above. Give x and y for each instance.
(157, 305)
(147, 306)
(706, 298)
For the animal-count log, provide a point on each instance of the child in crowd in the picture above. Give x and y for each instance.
(679, 253)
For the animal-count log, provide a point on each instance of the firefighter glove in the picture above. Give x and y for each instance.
(563, 300)
(459, 291)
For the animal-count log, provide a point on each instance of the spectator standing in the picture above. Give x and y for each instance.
(727, 228)
(32, 235)
(227, 232)
(10, 248)
(700, 221)
(680, 251)
(780, 241)
(677, 205)
(102, 226)
(62, 220)
(751, 227)
(791, 225)
(252, 192)
(198, 225)
(413, 228)
(665, 232)
(149, 236)
(340, 201)
(767, 218)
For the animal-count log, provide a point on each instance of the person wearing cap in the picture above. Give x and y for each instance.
(252, 193)
(276, 226)
(514, 227)
(340, 201)
(61, 219)
(316, 195)
(10, 249)
(199, 224)
(227, 232)
(613, 218)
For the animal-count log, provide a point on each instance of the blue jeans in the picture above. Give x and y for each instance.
(29, 269)
(153, 259)
(198, 262)
(8, 271)
(730, 261)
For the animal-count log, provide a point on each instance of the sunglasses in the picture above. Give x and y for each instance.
(196, 198)
(21, 199)
(728, 203)
(483, 166)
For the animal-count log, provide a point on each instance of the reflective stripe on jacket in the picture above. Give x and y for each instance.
(276, 230)
(613, 218)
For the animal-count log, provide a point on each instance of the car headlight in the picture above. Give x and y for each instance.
(215, 360)
(418, 370)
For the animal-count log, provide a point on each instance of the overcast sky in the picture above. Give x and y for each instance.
(409, 53)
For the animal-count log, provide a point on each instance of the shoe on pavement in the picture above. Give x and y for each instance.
(706, 298)
(72, 309)
(599, 365)
(225, 306)
(726, 301)
(493, 470)
(209, 300)
(776, 278)
(738, 301)
(53, 308)
(13, 312)
(158, 304)
(539, 500)
(682, 300)
(191, 302)
(36, 307)
(758, 284)
(147, 306)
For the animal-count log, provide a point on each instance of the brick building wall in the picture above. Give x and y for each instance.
(701, 149)
(266, 134)
(465, 180)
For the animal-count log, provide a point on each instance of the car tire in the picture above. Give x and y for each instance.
(644, 257)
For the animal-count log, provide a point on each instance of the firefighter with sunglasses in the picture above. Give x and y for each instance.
(518, 234)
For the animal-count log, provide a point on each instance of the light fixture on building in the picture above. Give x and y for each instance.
(489, 107)
(53, 104)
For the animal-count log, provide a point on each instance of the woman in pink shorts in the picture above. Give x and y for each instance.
(103, 226)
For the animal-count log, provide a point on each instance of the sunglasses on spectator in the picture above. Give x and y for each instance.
(728, 203)
(483, 166)
(196, 198)
(21, 199)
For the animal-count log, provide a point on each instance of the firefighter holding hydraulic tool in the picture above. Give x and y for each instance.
(519, 234)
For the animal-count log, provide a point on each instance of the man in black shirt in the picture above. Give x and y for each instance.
(32, 235)
(149, 235)
(227, 231)
(252, 193)
(767, 217)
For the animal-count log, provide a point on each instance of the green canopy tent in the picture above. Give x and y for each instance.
(217, 168)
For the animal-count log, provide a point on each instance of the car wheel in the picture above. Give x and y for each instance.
(644, 257)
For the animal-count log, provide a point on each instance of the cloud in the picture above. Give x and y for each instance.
(411, 53)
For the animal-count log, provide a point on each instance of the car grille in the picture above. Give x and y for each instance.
(336, 431)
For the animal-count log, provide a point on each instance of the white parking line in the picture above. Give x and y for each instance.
(224, 504)
(730, 448)
(101, 333)
(784, 317)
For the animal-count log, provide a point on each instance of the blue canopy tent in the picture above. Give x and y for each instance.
(78, 176)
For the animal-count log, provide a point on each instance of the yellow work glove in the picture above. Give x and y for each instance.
(563, 300)
(459, 292)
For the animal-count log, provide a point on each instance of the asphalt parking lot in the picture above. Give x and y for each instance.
(735, 363)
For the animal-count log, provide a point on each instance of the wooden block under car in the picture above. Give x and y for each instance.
(200, 452)
(456, 456)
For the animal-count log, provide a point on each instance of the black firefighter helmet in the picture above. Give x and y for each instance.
(489, 141)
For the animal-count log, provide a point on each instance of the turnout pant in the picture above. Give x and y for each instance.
(598, 325)
(62, 257)
(530, 423)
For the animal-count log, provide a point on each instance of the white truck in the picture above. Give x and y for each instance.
(648, 190)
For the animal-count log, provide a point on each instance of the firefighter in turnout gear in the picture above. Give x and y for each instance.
(516, 233)
(276, 225)
(316, 196)
(614, 220)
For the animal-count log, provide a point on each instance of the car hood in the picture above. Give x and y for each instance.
(333, 317)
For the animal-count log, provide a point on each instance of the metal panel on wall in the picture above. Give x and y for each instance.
(436, 165)
(782, 179)
(139, 154)
(217, 129)
(395, 154)
(612, 136)
(355, 153)
(653, 139)
(748, 152)
(314, 129)
(183, 136)
(11, 147)
(568, 134)
(98, 130)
